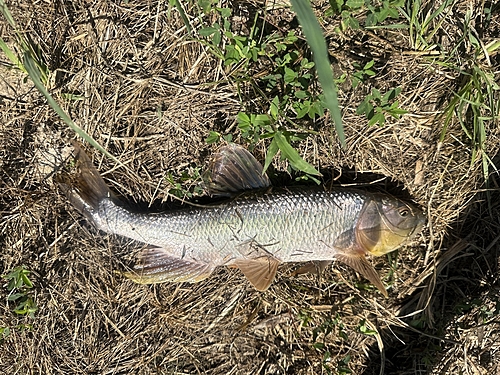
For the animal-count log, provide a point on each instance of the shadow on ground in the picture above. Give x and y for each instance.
(461, 316)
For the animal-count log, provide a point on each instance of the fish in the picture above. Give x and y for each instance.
(255, 227)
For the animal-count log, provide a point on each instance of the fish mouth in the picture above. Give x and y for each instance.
(420, 225)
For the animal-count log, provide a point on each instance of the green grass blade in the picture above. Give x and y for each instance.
(6, 13)
(316, 41)
(493, 46)
(428, 20)
(271, 152)
(184, 17)
(393, 26)
(293, 156)
(11, 56)
(34, 74)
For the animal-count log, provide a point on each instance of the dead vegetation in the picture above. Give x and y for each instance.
(150, 93)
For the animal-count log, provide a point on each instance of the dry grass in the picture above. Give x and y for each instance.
(151, 95)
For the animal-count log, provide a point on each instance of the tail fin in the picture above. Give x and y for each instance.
(86, 188)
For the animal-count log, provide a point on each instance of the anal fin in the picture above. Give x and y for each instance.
(260, 271)
(360, 264)
(157, 265)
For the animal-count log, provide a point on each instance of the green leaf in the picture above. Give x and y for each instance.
(316, 109)
(207, 31)
(369, 64)
(15, 296)
(377, 118)
(217, 37)
(300, 94)
(213, 137)
(271, 152)
(336, 5)
(354, 4)
(26, 281)
(302, 109)
(293, 156)
(376, 94)
(391, 94)
(290, 75)
(4, 332)
(316, 41)
(8, 16)
(318, 345)
(225, 12)
(243, 118)
(259, 120)
(11, 56)
(364, 108)
(274, 109)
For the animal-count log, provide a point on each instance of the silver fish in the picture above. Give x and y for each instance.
(255, 230)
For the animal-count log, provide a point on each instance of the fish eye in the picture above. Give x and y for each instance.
(404, 212)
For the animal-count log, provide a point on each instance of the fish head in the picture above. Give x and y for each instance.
(386, 223)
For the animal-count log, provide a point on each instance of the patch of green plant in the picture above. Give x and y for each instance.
(476, 103)
(365, 329)
(316, 40)
(20, 294)
(290, 75)
(376, 12)
(305, 317)
(216, 137)
(362, 73)
(178, 184)
(423, 24)
(19, 287)
(483, 310)
(320, 333)
(342, 365)
(26, 45)
(260, 127)
(488, 312)
(288, 83)
(376, 107)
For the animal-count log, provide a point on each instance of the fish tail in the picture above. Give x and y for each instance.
(86, 188)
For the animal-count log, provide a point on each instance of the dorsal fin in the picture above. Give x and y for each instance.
(260, 272)
(233, 169)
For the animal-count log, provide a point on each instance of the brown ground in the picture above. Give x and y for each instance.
(151, 94)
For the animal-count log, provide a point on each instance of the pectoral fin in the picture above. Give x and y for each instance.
(260, 272)
(316, 267)
(157, 265)
(360, 264)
